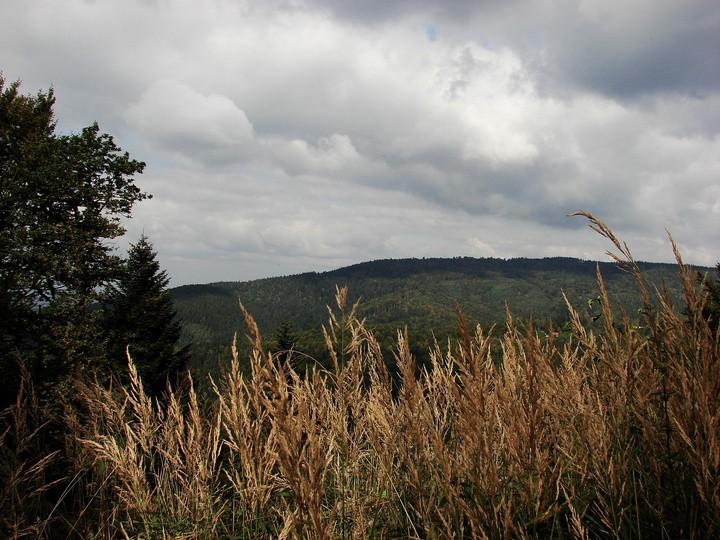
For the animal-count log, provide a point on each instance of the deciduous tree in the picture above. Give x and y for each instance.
(62, 198)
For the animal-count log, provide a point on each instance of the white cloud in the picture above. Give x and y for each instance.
(331, 154)
(177, 117)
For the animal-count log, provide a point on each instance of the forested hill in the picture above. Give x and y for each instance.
(420, 293)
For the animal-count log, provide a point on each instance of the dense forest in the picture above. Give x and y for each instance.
(422, 294)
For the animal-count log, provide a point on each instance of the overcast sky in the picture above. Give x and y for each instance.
(284, 136)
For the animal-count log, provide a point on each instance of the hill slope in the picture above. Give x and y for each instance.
(420, 293)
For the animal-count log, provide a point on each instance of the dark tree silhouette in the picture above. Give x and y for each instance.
(140, 317)
(285, 340)
(62, 197)
(711, 312)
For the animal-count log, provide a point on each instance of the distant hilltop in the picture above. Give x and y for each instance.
(421, 293)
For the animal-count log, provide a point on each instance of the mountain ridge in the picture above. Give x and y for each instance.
(421, 294)
(359, 266)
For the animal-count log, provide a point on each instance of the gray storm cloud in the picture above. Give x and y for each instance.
(290, 136)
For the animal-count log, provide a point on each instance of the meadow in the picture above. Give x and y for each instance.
(507, 433)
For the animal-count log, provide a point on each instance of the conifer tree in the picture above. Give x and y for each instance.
(284, 339)
(140, 317)
(712, 308)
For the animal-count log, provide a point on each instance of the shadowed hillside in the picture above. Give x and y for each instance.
(420, 293)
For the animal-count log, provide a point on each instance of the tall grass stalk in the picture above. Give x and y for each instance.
(613, 432)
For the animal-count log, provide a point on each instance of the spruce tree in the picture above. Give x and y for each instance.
(284, 339)
(711, 311)
(140, 317)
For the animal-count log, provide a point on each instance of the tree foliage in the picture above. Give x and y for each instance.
(139, 315)
(26, 126)
(712, 307)
(62, 198)
(284, 340)
(419, 293)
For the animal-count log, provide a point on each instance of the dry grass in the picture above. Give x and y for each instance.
(616, 433)
(24, 465)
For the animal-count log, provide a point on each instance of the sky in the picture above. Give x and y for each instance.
(284, 136)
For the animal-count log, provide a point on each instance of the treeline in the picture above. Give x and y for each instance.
(514, 267)
(420, 293)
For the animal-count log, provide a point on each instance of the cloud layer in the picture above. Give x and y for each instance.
(302, 135)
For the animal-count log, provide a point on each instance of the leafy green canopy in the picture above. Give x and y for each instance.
(62, 198)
